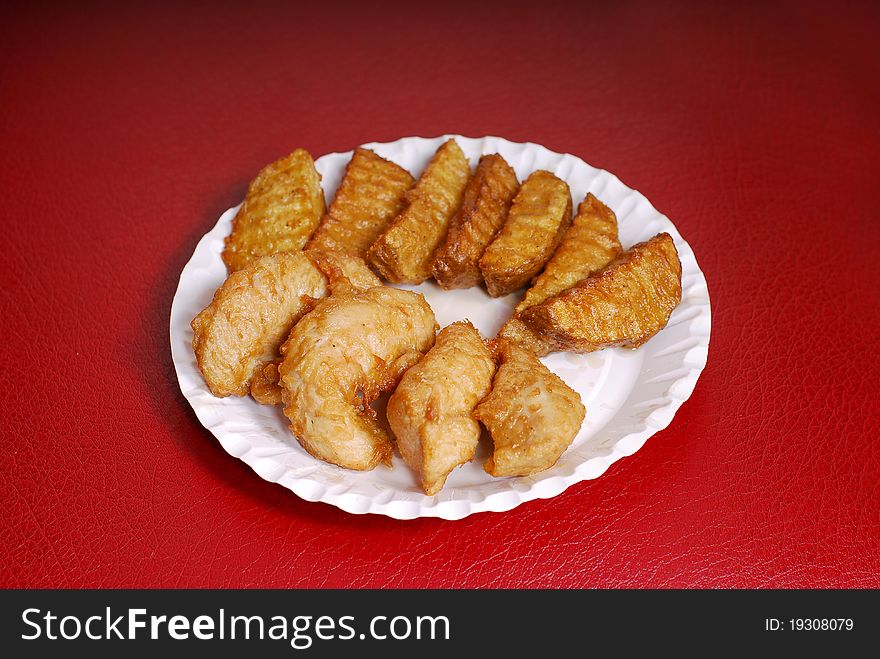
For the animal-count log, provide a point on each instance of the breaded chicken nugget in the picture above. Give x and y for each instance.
(624, 304)
(430, 411)
(531, 414)
(283, 205)
(538, 218)
(403, 253)
(483, 209)
(338, 359)
(371, 194)
(253, 310)
(589, 245)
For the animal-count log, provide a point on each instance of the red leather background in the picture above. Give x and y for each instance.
(126, 132)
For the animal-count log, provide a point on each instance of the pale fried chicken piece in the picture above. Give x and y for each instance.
(338, 359)
(371, 194)
(531, 414)
(283, 205)
(538, 218)
(624, 304)
(483, 209)
(402, 254)
(430, 411)
(344, 272)
(589, 245)
(250, 316)
(253, 310)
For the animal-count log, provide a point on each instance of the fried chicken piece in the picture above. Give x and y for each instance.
(538, 217)
(531, 414)
(371, 194)
(430, 411)
(339, 358)
(483, 209)
(624, 304)
(344, 272)
(283, 205)
(253, 310)
(589, 245)
(403, 254)
(250, 316)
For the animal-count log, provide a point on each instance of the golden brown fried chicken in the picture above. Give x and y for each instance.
(483, 209)
(338, 359)
(430, 411)
(252, 312)
(371, 194)
(402, 254)
(538, 218)
(284, 204)
(589, 245)
(531, 414)
(624, 304)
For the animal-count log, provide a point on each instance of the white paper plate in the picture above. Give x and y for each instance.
(629, 395)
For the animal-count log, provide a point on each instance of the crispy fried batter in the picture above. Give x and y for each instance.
(403, 253)
(589, 245)
(249, 317)
(284, 204)
(624, 304)
(430, 411)
(483, 209)
(339, 358)
(371, 194)
(538, 218)
(531, 414)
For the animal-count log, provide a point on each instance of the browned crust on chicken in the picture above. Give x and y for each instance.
(483, 210)
(284, 204)
(403, 253)
(589, 245)
(264, 384)
(250, 316)
(538, 218)
(624, 304)
(371, 194)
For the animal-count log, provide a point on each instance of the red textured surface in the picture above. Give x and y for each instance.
(124, 133)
